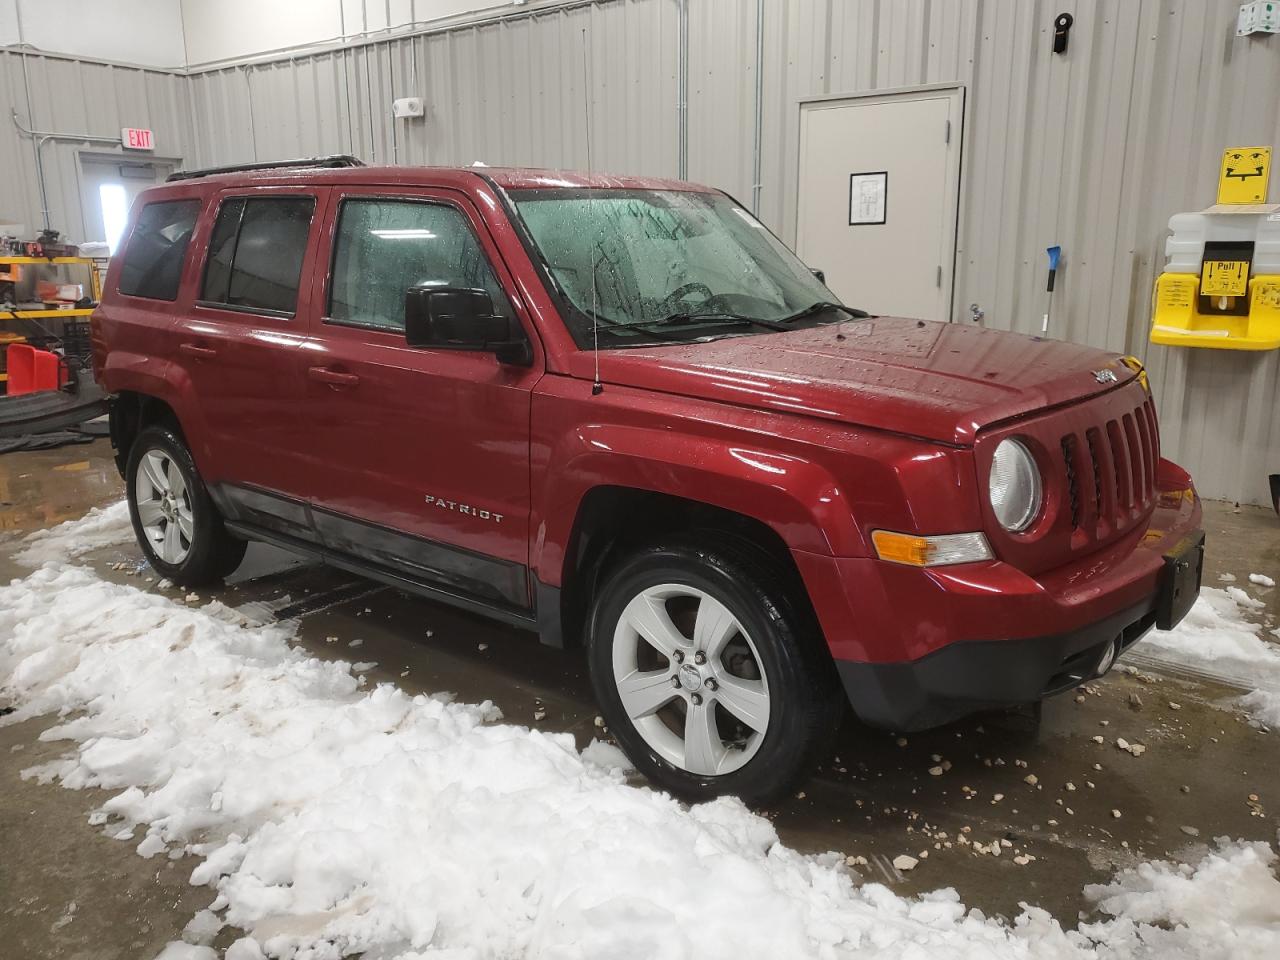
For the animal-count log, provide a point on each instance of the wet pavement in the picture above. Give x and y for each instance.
(1020, 807)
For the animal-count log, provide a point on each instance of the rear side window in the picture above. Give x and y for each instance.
(383, 247)
(153, 260)
(256, 252)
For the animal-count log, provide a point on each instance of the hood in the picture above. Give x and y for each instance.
(939, 381)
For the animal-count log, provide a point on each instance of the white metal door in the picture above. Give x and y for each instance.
(878, 194)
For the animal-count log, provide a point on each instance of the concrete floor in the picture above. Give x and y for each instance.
(68, 891)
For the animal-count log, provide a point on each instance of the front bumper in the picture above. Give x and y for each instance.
(916, 648)
(969, 676)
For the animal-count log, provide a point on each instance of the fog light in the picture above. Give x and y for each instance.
(936, 551)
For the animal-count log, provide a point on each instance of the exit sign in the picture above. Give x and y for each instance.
(135, 139)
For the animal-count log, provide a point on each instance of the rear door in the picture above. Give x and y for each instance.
(239, 346)
(422, 455)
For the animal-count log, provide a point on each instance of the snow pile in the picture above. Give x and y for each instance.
(186, 951)
(100, 527)
(1217, 634)
(1263, 705)
(374, 819)
(1227, 906)
(333, 820)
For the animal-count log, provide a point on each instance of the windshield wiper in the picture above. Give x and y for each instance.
(720, 317)
(694, 318)
(821, 307)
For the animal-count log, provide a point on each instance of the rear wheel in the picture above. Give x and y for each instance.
(174, 519)
(710, 671)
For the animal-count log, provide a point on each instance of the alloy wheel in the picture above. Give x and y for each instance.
(164, 506)
(690, 679)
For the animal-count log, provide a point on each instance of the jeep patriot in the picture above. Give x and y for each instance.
(620, 413)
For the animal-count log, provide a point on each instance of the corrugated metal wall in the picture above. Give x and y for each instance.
(90, 99)
(1093, 150)
(504, 93)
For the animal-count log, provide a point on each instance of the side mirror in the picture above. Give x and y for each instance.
(822, 277)
(457, 318)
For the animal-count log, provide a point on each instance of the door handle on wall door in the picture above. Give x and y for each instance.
(332, 377)
(200, 353)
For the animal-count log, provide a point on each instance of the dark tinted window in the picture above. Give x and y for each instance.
(256, 251)
(153, 261)
(384, 247)
(222, 247)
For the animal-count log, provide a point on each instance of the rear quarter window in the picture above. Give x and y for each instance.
(152, 266)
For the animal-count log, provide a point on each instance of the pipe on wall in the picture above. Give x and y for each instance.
(682, 97)
(35, 146)
(758, 147)
(39, 138)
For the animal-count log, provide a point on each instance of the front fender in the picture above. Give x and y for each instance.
(800, 500)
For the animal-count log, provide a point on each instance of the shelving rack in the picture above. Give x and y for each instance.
(95, 290)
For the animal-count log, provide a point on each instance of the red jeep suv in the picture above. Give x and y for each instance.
(620, 413)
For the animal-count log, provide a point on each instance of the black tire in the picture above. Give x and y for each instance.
(805, 704)
(212, 553)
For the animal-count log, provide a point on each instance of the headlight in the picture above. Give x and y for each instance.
(1014, 486)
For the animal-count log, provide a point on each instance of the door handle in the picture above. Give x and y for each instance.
(200, 353)
(332, 377)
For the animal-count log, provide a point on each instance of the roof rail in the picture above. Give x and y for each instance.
(337, 160)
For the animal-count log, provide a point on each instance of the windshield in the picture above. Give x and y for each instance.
(669, 265)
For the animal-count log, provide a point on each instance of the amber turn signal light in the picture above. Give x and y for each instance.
(918, 551)
(1134, 364)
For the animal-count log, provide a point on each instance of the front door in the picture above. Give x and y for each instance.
(878, 195)
(423, 460)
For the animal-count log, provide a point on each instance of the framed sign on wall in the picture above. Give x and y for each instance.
(868, 197)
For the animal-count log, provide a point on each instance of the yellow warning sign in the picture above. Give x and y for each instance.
(1175, 293)
(1244, 175)
(1225, 278)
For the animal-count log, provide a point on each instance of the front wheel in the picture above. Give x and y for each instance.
(710, 671)
(174, 519)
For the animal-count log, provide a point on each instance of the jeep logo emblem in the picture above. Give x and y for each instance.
(1105, 376)
(690, 677)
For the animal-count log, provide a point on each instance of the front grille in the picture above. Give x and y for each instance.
(1119, 464)
(1073, 487)
(1121, 457)
(1098, 458)
(1094, 437)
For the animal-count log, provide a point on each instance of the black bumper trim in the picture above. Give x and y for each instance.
(969, 676)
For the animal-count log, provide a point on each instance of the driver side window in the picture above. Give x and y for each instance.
(383, 247)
